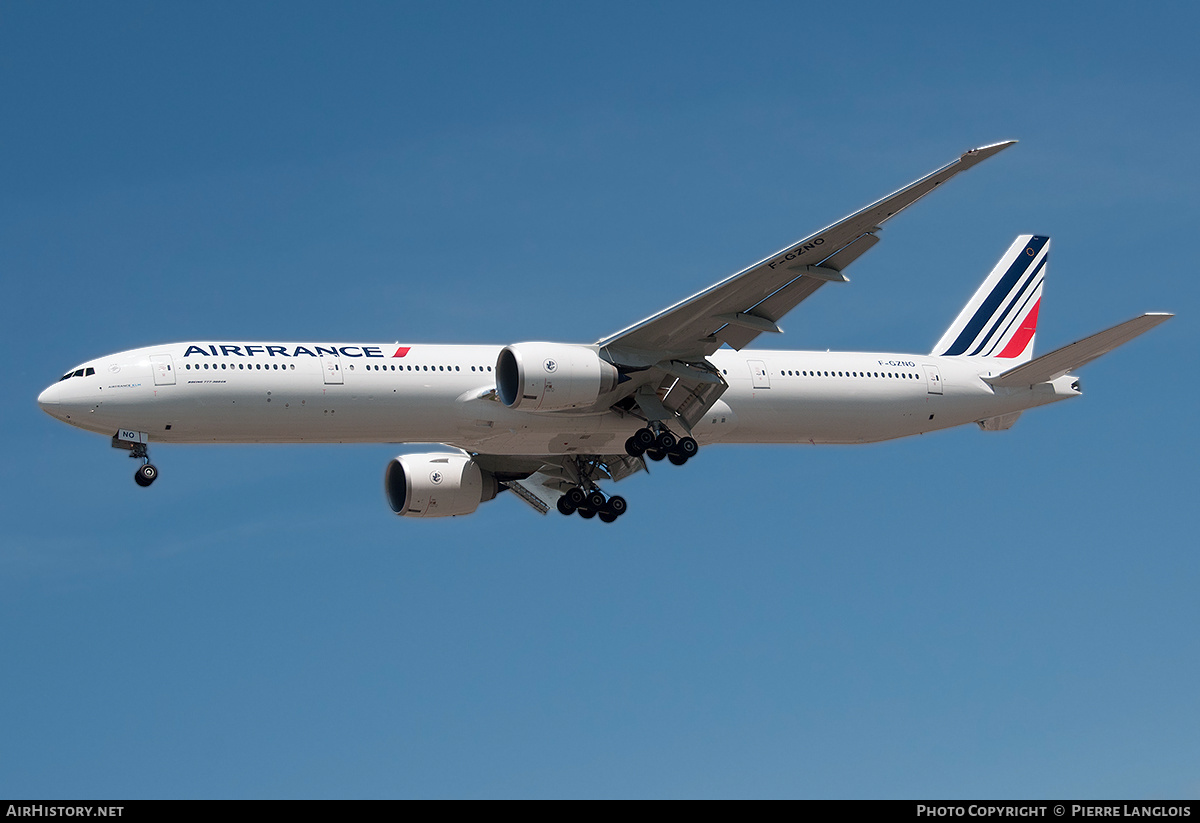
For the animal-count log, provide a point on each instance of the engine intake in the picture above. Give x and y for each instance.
(552, 376)
(437, 485)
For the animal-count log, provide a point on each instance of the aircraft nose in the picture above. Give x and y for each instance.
(50, 399)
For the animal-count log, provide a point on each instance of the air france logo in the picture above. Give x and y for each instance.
(435, 477)
(550, 365)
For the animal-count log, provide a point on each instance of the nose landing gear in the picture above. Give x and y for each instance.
(136, 443)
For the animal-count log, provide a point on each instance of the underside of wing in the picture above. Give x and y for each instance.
(743, 306)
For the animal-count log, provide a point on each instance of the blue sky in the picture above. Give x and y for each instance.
(964, 614)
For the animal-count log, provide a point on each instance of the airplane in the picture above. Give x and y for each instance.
(551, 421)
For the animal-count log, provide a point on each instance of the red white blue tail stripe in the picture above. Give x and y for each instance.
(1000, 320)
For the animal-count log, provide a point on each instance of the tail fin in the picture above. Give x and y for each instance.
(1000, 320)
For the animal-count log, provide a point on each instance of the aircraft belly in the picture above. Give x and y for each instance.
(809, 412)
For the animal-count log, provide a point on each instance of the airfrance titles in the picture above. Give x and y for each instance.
(288, 350)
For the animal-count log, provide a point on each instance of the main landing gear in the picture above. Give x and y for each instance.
(661, 443)
(590, 504)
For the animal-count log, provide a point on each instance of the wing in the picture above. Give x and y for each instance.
(743, 306)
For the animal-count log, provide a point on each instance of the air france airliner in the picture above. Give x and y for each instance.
(551, 421)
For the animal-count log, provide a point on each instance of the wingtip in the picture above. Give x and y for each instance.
(989, 150)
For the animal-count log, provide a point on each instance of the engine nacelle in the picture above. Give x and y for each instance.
(437, 485)
(552, 376)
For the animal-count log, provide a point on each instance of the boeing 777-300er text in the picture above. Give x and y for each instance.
(551, 421)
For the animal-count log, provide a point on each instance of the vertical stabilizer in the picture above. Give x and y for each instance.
(1000, 320)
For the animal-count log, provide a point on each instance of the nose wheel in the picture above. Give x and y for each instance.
(145, 475)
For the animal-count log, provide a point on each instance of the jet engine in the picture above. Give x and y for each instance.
(437, 485)
(552, 376)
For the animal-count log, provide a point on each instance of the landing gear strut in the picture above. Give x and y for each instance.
(659, 444)
(135, 443)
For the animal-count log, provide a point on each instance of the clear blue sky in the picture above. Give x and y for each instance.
(963, 614)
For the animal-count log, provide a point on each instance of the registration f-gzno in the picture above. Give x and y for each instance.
(551, 422)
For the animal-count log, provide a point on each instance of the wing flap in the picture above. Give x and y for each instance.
(1060, 361)
(531, 491)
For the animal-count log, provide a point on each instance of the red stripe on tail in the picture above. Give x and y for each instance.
(1021, 339)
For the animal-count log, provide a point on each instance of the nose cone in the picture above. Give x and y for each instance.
(48, 398)
(50, 401)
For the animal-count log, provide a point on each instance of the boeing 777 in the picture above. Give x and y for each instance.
(552, 421)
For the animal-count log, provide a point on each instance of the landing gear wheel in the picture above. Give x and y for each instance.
(145, 475)
(644, 439)
(586, 514)
(576, 497)
(687, 447)
(608, 517)
(666, 442)
(655, 454)
(564, 506)
(677, 458)
(617, 505)
(633, 449)
(596, 501)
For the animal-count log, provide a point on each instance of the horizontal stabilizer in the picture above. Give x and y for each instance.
(1060, 361)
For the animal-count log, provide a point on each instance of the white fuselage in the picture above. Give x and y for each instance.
(387, 393)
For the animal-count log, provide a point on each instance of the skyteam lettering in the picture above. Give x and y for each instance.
(276, 350)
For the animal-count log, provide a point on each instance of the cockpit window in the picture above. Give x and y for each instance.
(85, 372)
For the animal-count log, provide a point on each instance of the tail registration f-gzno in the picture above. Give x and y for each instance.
(550, 422)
